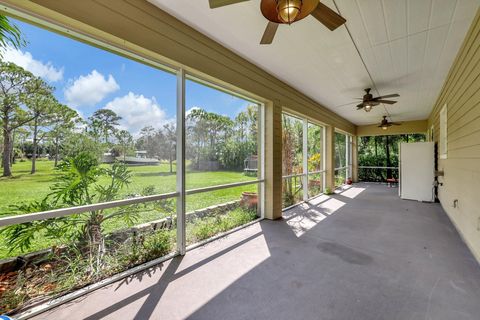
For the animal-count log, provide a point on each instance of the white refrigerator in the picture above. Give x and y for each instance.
(417, 171)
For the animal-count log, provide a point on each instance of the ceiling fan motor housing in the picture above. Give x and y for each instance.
(284, 11)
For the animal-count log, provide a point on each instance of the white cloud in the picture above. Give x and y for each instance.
(90, 89)
(137, 112)
(40, 69)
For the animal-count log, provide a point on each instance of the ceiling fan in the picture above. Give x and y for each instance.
(368, 101)
(287, 12)
(385, 123)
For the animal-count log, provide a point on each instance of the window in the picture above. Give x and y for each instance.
(302, 159)
(292, 160)
(223, 147)
(99, 155)
(443, 139)
(342, 156)
(316, 159)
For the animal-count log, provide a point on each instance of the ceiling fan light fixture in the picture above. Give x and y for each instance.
(384, 127)
(288, 10)
(368, 107)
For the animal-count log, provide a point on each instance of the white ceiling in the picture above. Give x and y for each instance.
(405, 46)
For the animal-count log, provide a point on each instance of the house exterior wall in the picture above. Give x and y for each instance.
(461, 95)
(407, 127)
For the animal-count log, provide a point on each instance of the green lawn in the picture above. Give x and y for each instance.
(25, 187)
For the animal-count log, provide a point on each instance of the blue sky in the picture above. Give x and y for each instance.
(87, 78)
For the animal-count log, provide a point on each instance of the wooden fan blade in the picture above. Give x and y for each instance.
(386, 101)
(328, 17)
(396, 123)
(388, 96)
(269, 33)
(220, 3)
(359, 106)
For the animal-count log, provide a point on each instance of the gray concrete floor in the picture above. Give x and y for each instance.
(360, 254)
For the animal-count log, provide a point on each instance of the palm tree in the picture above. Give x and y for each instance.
(10, 34)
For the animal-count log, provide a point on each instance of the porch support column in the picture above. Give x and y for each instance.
(273, 161)
(330, 158)
(354, 158)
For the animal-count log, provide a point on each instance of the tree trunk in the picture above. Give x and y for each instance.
(35, 143)
(56, 152)
(12, 153)
(96, 243)
(387, 153)
(7, 170)
(170, 159)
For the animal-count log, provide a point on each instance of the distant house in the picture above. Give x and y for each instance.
(140, 159)
(142, 154)
(108, 157)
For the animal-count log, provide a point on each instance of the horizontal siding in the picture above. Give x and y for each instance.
(407, 127)
(461, 94)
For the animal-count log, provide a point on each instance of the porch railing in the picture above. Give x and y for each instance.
(65, 263)
(377, 173)
(341, 175)
(300, 187)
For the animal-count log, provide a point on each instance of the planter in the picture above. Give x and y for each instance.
(349, 181)
(249, 200)
(315, 183)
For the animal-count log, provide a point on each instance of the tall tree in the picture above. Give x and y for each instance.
(149, 141)
(62, 122)
(20, 136)
(170, 133)
(15, 83)
(107, 121)
(41, 105)
(125, 140)
(387, 154)
(207, 133)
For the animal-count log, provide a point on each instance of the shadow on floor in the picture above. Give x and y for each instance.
(359, 254)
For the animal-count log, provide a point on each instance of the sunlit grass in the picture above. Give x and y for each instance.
(25, 187)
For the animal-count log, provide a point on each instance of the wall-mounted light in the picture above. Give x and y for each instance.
(288, 10)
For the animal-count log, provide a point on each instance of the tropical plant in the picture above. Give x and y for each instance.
(10, 34)
(78, 183)
(315, 162)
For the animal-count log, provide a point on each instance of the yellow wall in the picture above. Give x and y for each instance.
(461, 94)
(405, 127)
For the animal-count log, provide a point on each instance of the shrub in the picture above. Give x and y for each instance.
(209, 226)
